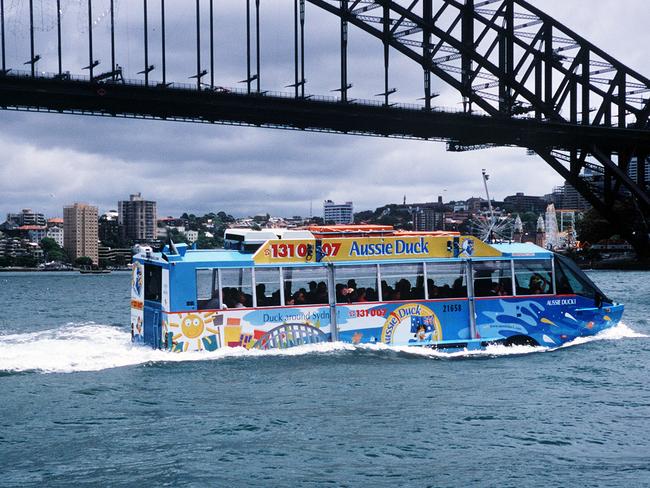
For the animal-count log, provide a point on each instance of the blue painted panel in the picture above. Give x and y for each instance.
(550, 320)
(152, 324)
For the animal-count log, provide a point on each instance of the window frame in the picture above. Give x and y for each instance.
(255, 283)
(284, 281)
(504, 264)
(359, 265)
(431, 266)
(400, 277)
(551, 270)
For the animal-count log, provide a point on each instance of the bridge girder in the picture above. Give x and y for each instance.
(508, 58)
(524, 78)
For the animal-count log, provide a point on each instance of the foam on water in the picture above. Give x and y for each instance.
(93, 347)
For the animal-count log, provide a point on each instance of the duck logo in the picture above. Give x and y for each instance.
(468, 247)
(137, 278)
(411, 323)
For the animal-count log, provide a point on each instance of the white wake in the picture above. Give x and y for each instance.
(93, 347)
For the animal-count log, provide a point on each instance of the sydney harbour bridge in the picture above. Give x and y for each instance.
(519, 77)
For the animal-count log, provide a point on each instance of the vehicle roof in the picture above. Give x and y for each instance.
(225, 257)
(522, 249)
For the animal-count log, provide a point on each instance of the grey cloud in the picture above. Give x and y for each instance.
(47, 161)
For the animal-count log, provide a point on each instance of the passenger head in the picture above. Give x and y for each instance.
(299, 297)
(361, 295)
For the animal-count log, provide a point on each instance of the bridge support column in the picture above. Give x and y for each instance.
(467, 38)
(344, 50)
(427, 14)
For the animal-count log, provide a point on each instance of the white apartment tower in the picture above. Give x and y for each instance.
(340, 213)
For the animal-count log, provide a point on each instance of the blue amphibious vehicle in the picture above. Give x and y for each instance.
(280, 288)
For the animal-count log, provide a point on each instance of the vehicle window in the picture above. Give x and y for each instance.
(237, 287)
(305, 286)
(207, 289)
(446, 280)
(356, 284)
(402, 281)
(152, 282)
(267, 287)
(533, 277)
(572, 280)
(492, 278)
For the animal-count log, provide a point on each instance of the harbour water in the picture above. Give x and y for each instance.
(80, 406)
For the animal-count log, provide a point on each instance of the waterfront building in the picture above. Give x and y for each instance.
(26, 217)
(429, 216)
(475, 204)
(339, 213)
(632, 171)
(80, 231)
(55, 221)
(567, 197)
(109, 256)
(137, 217)
(525, 203)
(55, 232)
(35, 233)
(110, 231)
(192, 236)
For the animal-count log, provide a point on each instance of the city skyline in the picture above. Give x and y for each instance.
(317, 208)
(245, 171)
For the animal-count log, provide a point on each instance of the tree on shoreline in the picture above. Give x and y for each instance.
(52, 250)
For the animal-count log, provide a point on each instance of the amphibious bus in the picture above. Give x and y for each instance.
(279, 288)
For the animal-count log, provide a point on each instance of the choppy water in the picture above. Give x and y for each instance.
(80, 406)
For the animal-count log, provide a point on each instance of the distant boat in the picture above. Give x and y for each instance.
(94, 271)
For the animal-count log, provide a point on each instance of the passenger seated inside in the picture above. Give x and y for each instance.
(212, 304)
(458, 290)
(240, 300)
(505, 287)
(234, 298)
(345, 294)
(432, 289)
(371, 295)
(321, 296)
(361, 295)
(299, 297)
(538, 285)
(311, 294)
(483, 284)
(417, 292)
(260, 293)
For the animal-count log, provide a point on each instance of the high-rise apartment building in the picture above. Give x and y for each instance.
(26, 217)
(138, 218)
(339, 213)
(80, 233)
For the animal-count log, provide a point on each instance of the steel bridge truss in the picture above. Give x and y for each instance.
(508, 59)
(524, 80)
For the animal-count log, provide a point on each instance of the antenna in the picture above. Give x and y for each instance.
(486, 177)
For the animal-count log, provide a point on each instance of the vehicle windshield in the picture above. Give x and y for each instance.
(572, 280)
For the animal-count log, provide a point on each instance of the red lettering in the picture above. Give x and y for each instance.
(302, 250)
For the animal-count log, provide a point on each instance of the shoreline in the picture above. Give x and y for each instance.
(598, 266)
(38, 270)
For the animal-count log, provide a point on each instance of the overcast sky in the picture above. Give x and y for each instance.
(47, 161)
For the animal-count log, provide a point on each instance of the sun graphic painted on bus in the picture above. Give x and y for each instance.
(192, 326)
